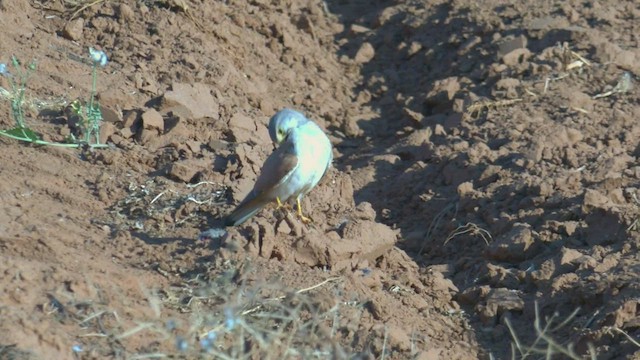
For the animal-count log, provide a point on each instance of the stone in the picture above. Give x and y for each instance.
(365, 54)
(151, 119)
(194, 101)
(73, 30)
(512, 246)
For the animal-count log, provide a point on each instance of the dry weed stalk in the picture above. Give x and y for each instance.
(435, 223)
(544, 344)
(626, 335)
(80, 6)
(472, 229)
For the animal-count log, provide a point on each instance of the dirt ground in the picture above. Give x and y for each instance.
(483, 201)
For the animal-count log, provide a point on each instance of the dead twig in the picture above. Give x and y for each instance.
(471, 228)
(83, 7)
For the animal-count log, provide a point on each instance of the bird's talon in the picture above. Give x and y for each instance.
(305, 220)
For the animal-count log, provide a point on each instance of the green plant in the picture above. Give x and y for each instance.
(88, 116)
(18, 84)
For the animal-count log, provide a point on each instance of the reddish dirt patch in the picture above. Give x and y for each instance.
(485, 176)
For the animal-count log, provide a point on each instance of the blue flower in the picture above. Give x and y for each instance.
(76, 348)
(98, 57)
(230, 319)
(207, 342)
(181, 344)
(3, 70)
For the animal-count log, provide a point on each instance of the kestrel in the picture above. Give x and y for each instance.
(303, 155)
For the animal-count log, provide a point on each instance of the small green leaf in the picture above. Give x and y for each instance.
(25, 133)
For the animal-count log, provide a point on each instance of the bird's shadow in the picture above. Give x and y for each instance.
(151, 240)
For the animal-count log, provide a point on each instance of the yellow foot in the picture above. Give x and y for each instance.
(303, 218)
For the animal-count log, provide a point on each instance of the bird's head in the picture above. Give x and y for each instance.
(283, 122)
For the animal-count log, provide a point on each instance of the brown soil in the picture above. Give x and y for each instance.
(478, 182)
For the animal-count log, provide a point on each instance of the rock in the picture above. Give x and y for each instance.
(131, 119)
(465, 188)
(356, 29)
(439, 130)
(125, 13)
(509, 45)
(504, 299)
(365, 54)
(127, 133)
(607, 51)
(473, 295)
(385, 15)
(608, 263)
(569, 256)
(437, 282)
(569, 227)
(361, 240)
(626, 312)
(508, 85)
(504, 277)
(469, 45)
(365, 211)
(243, 128)
(110, 114)
(145, 136)
(186, 170)
(417, 117)
(152, 120)
(593, 199)
(107, 129)
(498, 302)
(512, 246)
(73, 30)
(440, 98)
(545, 272)
(193, 101)
(515, 57)
(414, 48)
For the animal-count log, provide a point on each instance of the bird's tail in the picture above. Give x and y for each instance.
(244, 211)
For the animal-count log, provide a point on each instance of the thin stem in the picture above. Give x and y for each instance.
(93, 114)
(42, 142)
(94, 75)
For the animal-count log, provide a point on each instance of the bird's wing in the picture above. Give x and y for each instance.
(276, 169)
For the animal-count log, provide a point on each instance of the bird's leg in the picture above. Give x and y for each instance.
(281, 205)
(303, 218)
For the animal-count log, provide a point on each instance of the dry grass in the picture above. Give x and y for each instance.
(222, 317)
(545, 345)
(250, 321)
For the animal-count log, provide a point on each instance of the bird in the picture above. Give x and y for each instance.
(301, 159)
